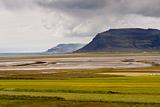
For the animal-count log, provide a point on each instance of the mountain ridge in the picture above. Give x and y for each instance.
(124, 39)
(65, 48)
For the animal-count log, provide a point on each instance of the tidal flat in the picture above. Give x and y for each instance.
(79, 62)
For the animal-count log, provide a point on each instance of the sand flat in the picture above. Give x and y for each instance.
(79, 63)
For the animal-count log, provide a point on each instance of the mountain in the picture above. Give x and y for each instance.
(125, 39)
(65, 48)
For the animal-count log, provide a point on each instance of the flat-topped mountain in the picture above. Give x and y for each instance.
(65, 48)
(126, 39)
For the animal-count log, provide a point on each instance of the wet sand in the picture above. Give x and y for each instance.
(79, 63)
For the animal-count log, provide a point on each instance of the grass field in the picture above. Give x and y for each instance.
(122, 91)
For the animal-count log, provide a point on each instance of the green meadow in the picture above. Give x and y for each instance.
(124, 91)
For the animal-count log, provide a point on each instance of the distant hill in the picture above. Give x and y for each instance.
(126, 39)
(65, 48)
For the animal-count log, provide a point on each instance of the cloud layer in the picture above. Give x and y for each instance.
(44, 23)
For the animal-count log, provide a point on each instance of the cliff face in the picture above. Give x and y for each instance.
(131, 39)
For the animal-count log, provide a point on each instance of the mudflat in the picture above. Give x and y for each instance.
(79, 62)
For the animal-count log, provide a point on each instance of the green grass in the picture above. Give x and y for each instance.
(50, 103)
(72, 73)
(79, 87)
(109, 90)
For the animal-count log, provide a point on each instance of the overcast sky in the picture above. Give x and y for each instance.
(36, 25)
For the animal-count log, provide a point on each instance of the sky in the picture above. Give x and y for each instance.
(36, 25)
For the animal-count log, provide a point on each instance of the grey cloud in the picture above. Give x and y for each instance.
(74, 4)
(122, 7)
(53, 21)
(101, 14)
(79, 8)
(87, 8)
(143, 7)
(17, 4)
(93, 15)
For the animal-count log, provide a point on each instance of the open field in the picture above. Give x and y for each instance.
(92, 87)
(144, 90)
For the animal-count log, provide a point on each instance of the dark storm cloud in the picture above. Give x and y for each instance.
(89, 7)
(97, 15)
(74, 4)
(79, 8)
(119, 7)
